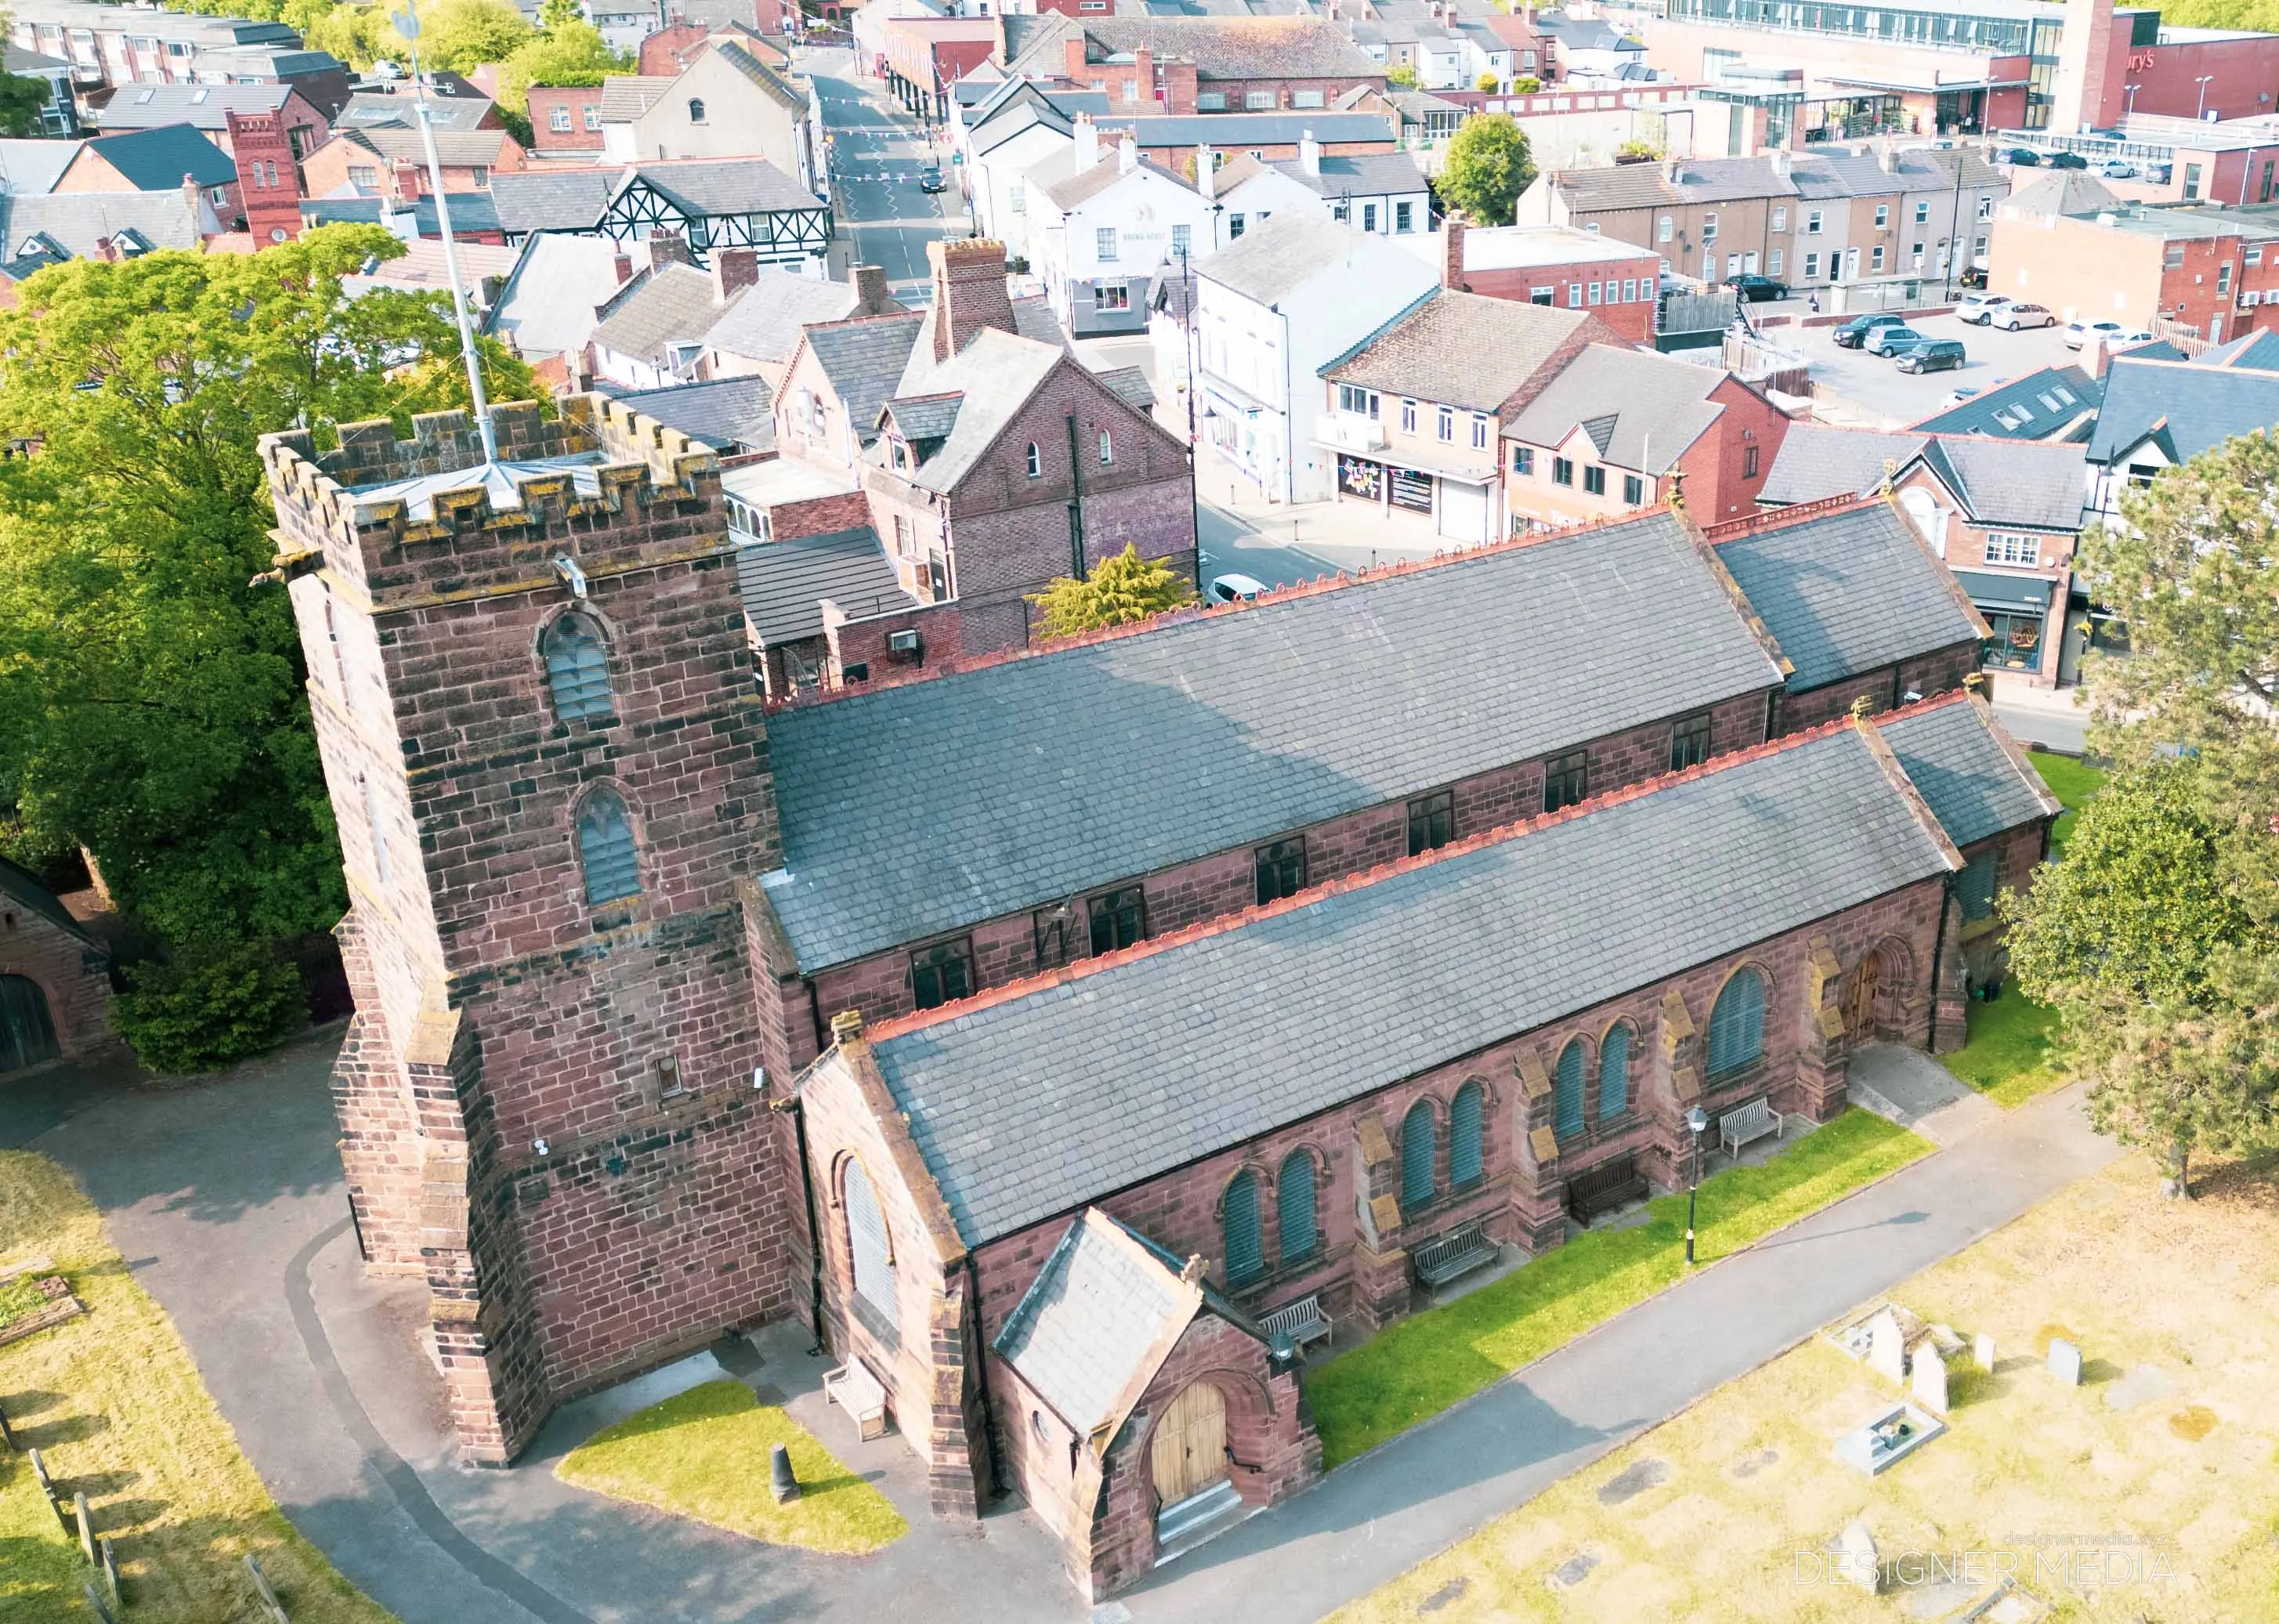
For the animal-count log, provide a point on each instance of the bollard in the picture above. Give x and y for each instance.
(782, 1480)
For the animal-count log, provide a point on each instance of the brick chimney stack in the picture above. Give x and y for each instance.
(870, 284)
(1452, 254)
(667, 248)
(1206, 174)
(734, 269)
(968, 292)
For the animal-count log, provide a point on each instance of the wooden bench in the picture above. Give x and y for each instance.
(1303, 1321)
(1459, 1252)
(1604, 1188)
(861, 1395)
(1746, 1124)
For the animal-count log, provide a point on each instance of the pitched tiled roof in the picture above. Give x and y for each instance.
(727, 186)
(764, 325)
(926, 417)
(551, 200)
(2035, 484)
(1025, 1106)
(1368, 175)
(1235, 48)
(29, 165)
(456, 149)
(2064, 191)
(1818, 461)
(993, 377)
(1130, 385)
(731, 415)
(784, 583)
(24, 888)
(1095, 1323)
(2017, 411)
(1232, 131)
(864, 357)
(142, 107)
(1269, 262)
(673, 304)
(626, 96)
(156, 159)
(1847, 591)
(1461, 349)
(471, 212)
(1248, 726)
(1967, 771)
(77, 221)
(766, 79)
(371, 109)
(2187, 408)
(1651, 409)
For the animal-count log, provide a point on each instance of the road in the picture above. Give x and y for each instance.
(877, 152)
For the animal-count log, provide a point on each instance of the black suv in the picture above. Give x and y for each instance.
(1756, 289)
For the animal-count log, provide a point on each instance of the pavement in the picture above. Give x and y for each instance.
(877, 152)
(1908, 1087)
(226, 1198)
(2040, 719)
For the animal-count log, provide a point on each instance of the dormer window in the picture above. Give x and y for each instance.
(899, 449)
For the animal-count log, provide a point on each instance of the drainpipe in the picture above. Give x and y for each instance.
(981, 1373)
(790, 1105)
(1938, 949)
(1075, 505)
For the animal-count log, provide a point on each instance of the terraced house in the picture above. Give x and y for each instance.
(1040, 1026)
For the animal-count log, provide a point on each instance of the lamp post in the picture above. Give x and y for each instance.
(2128, 107)
(1696, 1119)
(2201, 111)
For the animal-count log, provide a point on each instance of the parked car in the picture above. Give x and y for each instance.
(2015, 315)
(930, 179)
(1973, 307)
(1983, 315)
(1854, 331)
(2024, 157)
(2117, 169)
(1231, 589)
(2079, 332)
(1973, 276)
(2159, 173)
(1756, 289)
(1933, 356)
(2134, 335)
(2066, 160)
(1889, 342)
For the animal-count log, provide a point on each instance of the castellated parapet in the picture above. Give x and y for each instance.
(547, 1097)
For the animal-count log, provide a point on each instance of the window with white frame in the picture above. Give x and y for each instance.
(1444, 426)
(1662, 229)
(1812, 223)
(1408, 416)
(1103, 243)
(1708, 228)
(1780, 219)
(558, 120)
(1876, 258)
(1359, 402)
(1811, 267)
(1922, 211)
(1883, 216)
(1479, 432)
(1773, 264)
(594, 115)
(1986, 207)
(1111, 296)
(2004, 548)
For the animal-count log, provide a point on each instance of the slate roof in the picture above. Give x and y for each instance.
(550, 199)
(456, 149)
(77, 221)
(1291, 712)
(1095, 1323)
(28, 165)
(1848, 591)
(471, 212)
(2258, 350)
(735, 416)
(1822, 173)
(764, 325)
(1059, 179)
(864, 357)
(1644, 409)
(547, 307)
(1130, 386)
(2061, 191)
(992, 378)
(924, 416)
(769, 83)
(1239, 130)
(1457, 348)
(142, 107)
(626, 96)
(2187, 409)
(727, 186)
(1024, 1107)
(784, 583)
(672, 304)
(1958, 759)
(400, 110)
(1366, 174)
(1232, 48)
(2035, 484)
(23, 887)
(2067, 414)
(1270, 262)
(157, 159)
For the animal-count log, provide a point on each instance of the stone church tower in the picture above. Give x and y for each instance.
(547, 756)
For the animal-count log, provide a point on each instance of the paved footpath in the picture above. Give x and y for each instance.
(226, 1200)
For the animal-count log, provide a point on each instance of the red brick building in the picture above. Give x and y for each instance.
(2211, 268)
(1617, 282)
(566, 118)
(55, 978)
(1191, 65)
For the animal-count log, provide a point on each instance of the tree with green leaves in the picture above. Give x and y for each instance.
(1400, 76)
(1489, 165)
(1119, 590)
(573, 54)
(455, 36)
(556, 15)
(23, 99)
(151, 704)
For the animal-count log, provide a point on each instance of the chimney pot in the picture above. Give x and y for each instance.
(1206, 173)
(870, 283)
(847, 1027)
(1452, 254)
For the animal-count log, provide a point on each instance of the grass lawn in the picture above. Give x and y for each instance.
(1418, 1368)
(115, 1408)
(704, 1454)
(2147, 1493)
(2071, 783)
(2007, 1057)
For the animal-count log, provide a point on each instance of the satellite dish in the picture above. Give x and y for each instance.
(407, 23)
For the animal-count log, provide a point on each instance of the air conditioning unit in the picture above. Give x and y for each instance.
(904, 645)
(2248, 300)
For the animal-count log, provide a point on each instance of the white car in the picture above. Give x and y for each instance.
(2012, 316)
(1974, 307)
(1231, 588)
(2079, 332)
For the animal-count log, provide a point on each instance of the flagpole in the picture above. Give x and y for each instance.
(407, 23)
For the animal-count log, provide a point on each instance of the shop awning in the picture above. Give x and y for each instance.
(2011, 594)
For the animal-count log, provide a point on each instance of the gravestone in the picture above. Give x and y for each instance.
(7, 1433)
(86, 1524)
(1929, 1383)
(110, 1569)
(1886, 1352)
(1856, 1562)
(1573, 1571)
(2065, 1362)
(1632, 1481)
(1982, 1350)
(95, 1603)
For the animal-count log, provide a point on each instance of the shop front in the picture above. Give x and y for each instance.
(1459, 502)
(2017, 610)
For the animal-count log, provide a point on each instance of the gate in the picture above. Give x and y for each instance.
(27, 1035)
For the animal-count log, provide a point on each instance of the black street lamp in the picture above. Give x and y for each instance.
(1697, 1119)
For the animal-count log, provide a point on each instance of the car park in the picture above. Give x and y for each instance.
(2012, 316)
(1756, 289)
(1933, 356)
(1854, 332)
(1890, 341)
(1962, 396)
(1233, 589)
(2066, 160)
(2117, 169)
(2079, 332)
(2023, 157)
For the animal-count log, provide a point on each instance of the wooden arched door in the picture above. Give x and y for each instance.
(28, 1034)
(1189, 1453)
(1865, 986)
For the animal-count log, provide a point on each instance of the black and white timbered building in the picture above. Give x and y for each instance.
(708, 202)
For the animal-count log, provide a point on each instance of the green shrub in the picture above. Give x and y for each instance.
(213, 1002)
